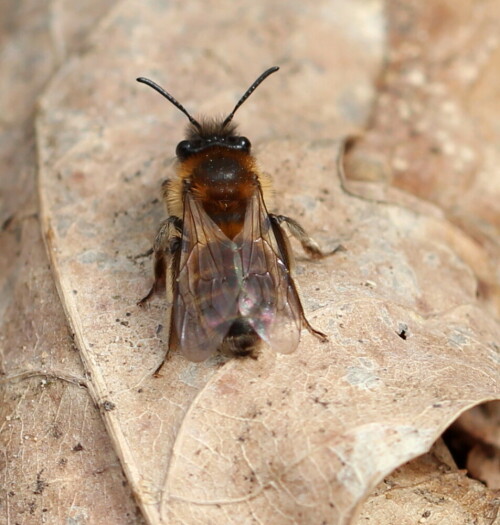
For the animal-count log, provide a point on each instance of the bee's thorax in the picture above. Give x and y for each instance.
(223, 181)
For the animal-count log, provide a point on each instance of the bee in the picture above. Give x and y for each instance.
(224, 261)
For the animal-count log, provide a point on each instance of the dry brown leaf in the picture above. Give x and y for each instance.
(430, 490)
(483, 463)
(301, 438)
(483, 423)
(475, 438)
(434, 129)
(57, 463)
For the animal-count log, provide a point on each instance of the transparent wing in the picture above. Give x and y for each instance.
(207, 286)
(221, 280)
(268, 297)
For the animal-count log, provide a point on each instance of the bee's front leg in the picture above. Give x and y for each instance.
(309, 245)
(167, 242)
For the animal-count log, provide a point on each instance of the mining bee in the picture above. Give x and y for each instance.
(223, 259)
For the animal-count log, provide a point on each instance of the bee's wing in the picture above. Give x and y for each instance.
(268, 296)
(207, 284)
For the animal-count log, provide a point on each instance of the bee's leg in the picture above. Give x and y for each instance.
(310, 246)
(166, 188)
(156, 373)
(316, 333)
(167, 242)
(172, 274)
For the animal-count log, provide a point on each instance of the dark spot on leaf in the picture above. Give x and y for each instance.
(403, 331)
(319, 402)
(7, 222)
(40, 484)
(56, 432)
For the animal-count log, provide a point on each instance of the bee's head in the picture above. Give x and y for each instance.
(210, 133)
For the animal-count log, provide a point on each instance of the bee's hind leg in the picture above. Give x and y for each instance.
(310, 246)
(167, 242)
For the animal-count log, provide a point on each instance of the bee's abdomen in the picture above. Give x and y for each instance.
(241, 340)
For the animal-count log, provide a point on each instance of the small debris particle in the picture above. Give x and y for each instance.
(400, 164)
(108, 406)
(78, 447)
(415, 77)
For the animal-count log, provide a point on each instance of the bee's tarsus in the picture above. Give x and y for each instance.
(338, 248)
(156, 373)
(316, 333)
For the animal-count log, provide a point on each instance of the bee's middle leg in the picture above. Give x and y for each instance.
(309, 245)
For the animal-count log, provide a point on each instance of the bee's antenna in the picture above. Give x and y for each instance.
(170, 98)
(248, 92)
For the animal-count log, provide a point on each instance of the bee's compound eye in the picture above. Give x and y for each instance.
(184, 149)
(244, 144)
(241, 143)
